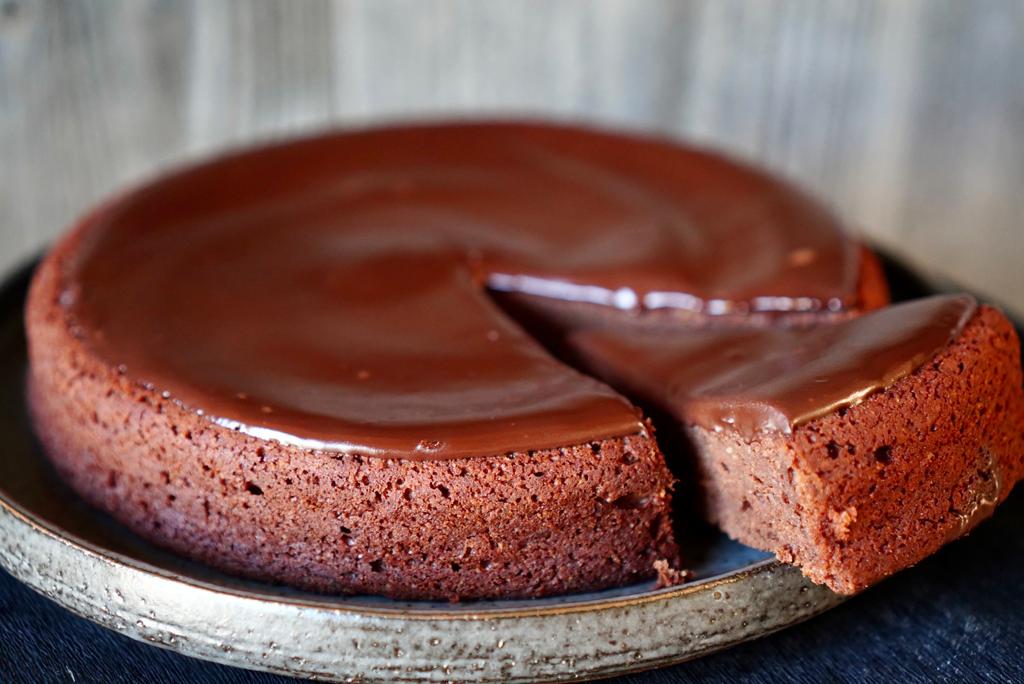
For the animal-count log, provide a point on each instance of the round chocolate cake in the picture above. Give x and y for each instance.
(422, 362)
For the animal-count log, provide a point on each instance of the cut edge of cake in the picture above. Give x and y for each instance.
(868, 490)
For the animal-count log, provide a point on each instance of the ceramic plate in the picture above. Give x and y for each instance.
(85, 561)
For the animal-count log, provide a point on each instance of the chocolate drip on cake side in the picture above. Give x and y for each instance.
(332, 293)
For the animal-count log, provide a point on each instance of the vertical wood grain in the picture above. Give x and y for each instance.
(907, 116)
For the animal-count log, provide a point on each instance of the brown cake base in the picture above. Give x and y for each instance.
(865, 491)
(556, 521)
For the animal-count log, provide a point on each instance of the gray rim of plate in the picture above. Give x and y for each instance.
(337, 640)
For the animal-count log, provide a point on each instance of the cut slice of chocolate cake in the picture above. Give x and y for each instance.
(851, 449)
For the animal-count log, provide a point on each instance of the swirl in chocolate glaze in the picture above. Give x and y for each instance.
(331, 292)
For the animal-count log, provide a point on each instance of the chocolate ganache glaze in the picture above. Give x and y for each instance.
(332, 292)
(752, 380)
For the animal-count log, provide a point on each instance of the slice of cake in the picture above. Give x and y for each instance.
(851, 449)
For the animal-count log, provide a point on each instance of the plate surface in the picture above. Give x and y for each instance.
(85, 561)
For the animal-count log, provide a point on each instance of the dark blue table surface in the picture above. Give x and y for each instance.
(956, 617)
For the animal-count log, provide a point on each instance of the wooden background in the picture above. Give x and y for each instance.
(907, 116)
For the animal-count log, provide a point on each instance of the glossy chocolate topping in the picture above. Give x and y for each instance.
(332, 292)
(754, 380)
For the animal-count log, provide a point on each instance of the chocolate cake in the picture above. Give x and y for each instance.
(351, 363)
